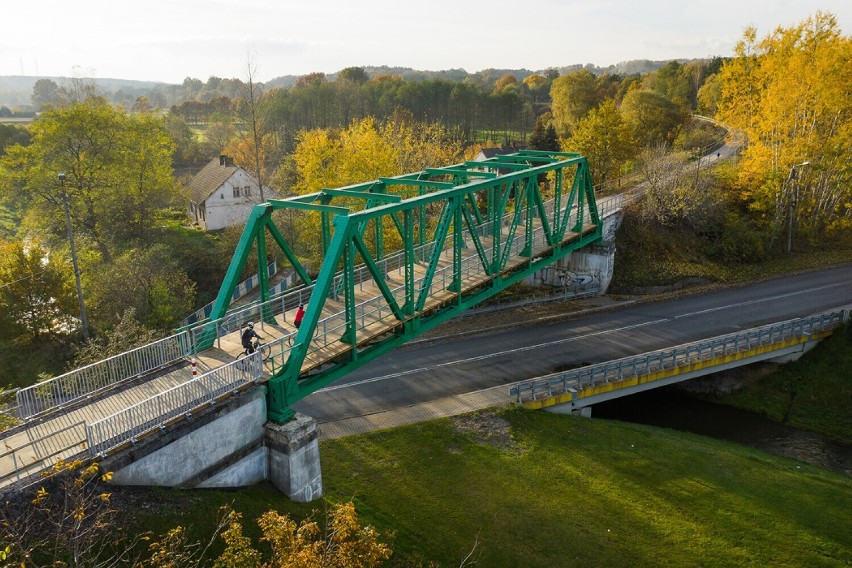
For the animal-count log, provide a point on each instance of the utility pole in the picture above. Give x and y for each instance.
(83, 319)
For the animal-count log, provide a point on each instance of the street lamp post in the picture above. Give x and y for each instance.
(790, 210)
(83, 319)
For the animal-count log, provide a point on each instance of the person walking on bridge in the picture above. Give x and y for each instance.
(300, 315)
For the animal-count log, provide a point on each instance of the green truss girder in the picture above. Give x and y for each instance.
(418, 183)
(477, 208)
(461, 172)
(369, 195)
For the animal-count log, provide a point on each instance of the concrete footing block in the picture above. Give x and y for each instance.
(294, 459)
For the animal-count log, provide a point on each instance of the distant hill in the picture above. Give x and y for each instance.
(16, 90)
(485, 75)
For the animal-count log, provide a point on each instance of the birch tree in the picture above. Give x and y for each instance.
(789, 94)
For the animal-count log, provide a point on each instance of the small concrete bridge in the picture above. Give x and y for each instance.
(576, 390)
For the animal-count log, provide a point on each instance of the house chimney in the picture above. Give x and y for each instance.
(224, 160)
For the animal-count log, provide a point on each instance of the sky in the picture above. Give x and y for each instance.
(169, 40)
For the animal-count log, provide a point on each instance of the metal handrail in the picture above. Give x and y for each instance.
(181, 400)
(23, 470)
(679, 356)
(85, 381)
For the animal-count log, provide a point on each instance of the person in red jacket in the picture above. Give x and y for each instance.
(300, 314)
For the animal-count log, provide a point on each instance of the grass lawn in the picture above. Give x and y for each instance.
(536, 489)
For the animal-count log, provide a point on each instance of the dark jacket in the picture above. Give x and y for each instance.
(248, 335)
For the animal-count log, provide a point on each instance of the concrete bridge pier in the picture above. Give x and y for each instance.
(586, 270)
(294, 458)
(227, 445)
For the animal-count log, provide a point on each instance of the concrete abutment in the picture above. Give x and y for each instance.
(229, 445)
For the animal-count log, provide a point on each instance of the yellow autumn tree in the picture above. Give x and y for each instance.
(365, 151)
(344, 543)
(788, 93)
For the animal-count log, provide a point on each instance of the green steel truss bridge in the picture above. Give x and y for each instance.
(400, 256)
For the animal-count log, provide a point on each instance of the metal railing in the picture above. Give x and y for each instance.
(88, 380)
(153, 413)
(680, 356)
(241, 290)
(280, 305)
(331, 329)
(85, 381)
(37, 455)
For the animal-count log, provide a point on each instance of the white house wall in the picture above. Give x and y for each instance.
(223, 209)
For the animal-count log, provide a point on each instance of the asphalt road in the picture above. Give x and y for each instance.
(427, 371)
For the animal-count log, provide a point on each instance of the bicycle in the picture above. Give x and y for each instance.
(265, 352)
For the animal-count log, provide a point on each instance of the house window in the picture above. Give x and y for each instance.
(247, 191)
(236, 191)
(221, 196)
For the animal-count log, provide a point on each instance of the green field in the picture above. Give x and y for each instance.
(535, 489)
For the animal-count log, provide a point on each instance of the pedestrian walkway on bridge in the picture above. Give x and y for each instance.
(461, 234)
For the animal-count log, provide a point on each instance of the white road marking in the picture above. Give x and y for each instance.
(760, 300)
(579, 337)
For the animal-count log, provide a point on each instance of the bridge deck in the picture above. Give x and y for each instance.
(63, 434)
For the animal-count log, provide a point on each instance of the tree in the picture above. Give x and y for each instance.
(148, 280)
(142, 104)
(671, 80)
(367, 150)
(354, 74)
(344, 543)
(789, 94)
(118, 174)
(605, 139)
(11, 135)
(543, 136)
(45, 91)
(250, 116)
(36, 296)
(68, 522)
(708, 95)
(652, 117)
(187, 149)
(676, 191)
(125, 335)
(506, 81)
(572, 96)
(219, 135)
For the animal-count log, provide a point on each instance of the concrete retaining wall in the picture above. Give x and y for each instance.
(227, 446)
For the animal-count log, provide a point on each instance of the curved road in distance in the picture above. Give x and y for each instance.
(422, 372)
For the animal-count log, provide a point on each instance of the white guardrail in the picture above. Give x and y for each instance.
(680, 356)
(88, 380)
(151, 414)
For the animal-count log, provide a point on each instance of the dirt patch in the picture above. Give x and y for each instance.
(486, 428)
